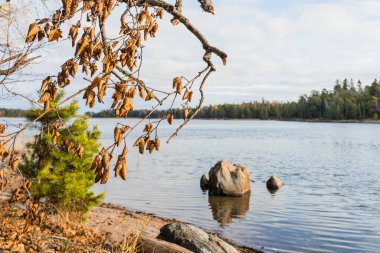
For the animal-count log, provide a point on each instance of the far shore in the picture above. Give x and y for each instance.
(361, 121)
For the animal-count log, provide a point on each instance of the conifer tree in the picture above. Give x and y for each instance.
(60, 157)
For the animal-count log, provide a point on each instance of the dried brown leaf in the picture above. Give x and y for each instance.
(54, 34)
(32, 32)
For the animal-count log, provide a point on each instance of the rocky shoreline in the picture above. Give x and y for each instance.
(108, 221)
(113, 223)
(114, 219)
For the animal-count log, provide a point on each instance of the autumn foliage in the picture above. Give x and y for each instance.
(111, 67)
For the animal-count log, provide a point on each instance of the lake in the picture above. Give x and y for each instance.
(330, 201)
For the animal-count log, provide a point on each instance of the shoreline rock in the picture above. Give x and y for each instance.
(194, 239)
(125, 219)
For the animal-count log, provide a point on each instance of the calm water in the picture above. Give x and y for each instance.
(330, 201)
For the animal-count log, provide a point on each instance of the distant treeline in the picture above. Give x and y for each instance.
(11, 112)
(347, 101)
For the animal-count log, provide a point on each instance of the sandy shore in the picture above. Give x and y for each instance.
(115, 220)
(112, 223)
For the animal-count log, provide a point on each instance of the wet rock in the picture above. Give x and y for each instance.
(194, 239)
(204, 182)
(228, 179)
(273, 184)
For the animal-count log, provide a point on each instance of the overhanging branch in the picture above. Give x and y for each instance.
(185, 21)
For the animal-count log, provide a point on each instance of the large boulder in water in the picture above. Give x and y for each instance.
(228, 179)
(274, 183)
(194, 239)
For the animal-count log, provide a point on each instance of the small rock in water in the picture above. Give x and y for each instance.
(273, 184)
(204, 182)
(194, 239)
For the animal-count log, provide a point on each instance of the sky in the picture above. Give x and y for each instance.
(277, 49)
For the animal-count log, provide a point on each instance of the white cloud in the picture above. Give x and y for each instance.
(274, 52)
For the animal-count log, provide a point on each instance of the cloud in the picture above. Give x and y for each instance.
(276, 49)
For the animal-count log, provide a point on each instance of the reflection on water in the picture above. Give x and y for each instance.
(224, 209)
(272, 191)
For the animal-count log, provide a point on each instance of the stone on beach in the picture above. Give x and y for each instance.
(194, 239)
(228, 179)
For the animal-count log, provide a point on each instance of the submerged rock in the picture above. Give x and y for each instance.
(194, 239)
(204, 182)
(228, 179)
(273, 184)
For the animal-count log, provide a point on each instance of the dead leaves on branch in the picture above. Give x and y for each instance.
(32, 32)
(207, 6)
(8, 156)
(101, 165)
(105, 166)
(186, 112)
(73, 33)
(4, 180)
(99, 83)
(145, 143)
(118, 134)
(2, 128)
(13, 161)
(89, 50)
(72, 148)
(36, 32)
(188, 95)
(48, 92)
(177, 84)
(54, 35)
(100, 57)
(174, 21)
(69, 7)
(169, 118)
(121, 165)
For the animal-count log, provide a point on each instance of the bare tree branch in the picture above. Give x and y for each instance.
(21, 62)
(198, 108)
(178, 15)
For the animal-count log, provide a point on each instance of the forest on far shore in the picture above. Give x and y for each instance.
(346, 101)
(11, 112)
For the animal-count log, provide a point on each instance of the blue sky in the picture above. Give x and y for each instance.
(278, 49)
